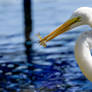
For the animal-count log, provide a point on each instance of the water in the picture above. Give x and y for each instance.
(50, 69)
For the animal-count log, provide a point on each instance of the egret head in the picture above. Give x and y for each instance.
(81, 16)
(85, 14)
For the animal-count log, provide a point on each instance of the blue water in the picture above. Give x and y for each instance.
(50, 69)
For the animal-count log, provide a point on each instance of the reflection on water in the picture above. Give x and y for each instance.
(50, 69)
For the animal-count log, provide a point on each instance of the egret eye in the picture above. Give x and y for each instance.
(79, 18)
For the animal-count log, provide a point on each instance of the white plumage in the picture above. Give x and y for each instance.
(81, 16)
(83, 54)
(84, 42)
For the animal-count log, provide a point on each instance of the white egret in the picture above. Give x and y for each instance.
(81, 16)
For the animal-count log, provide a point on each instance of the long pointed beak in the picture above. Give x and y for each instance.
(61, 29)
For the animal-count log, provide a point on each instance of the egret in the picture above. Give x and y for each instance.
(81, 16)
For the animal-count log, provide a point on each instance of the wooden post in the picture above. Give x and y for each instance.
(28, 31)
(28, 19)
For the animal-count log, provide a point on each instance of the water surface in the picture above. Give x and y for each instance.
(50, 69)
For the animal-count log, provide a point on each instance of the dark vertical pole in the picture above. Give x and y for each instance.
(28, 28)
(28, 41)
(28, 19)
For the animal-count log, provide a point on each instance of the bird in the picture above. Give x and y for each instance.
(83, 45)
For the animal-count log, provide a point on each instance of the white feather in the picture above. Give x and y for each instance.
(83, 54)
(84, 42)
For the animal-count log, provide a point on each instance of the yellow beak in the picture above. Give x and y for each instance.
(61, 29)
